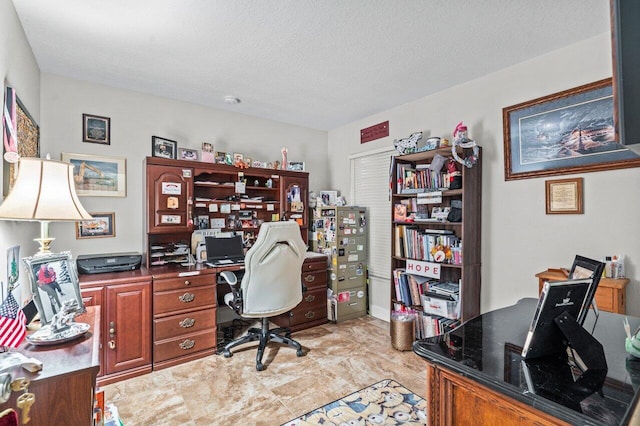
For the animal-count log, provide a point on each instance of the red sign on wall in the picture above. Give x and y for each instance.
(374, 132)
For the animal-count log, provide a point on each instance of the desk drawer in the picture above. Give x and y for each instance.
(184, 282)
(314, 264)
(190, 322)
(184, 345)
(313, 307)
(604, 299)
(182, 300)
(315, 279)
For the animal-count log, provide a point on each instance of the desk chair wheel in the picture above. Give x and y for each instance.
(259, 366)
(300, 352)
(227, 353)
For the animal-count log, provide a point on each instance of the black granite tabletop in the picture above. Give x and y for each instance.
(488, 349)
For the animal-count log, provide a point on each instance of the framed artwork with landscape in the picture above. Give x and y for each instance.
(567, 132)
(98, 176)
(102, 225)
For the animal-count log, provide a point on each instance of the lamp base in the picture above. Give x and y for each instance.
(45, 245)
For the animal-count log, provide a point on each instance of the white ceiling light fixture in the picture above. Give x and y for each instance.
(232, 100)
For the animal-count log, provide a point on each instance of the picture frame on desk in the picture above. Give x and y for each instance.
(207, 153)
(164, 148)
(296, 166)
(54, 283)
(188, 154)
(98, 176)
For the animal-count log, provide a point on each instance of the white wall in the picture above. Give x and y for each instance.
(518, 238)
(135, 118)
(18, 69)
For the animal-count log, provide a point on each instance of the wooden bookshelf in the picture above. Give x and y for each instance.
(465, 269)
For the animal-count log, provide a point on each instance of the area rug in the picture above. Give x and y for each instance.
(384, 403)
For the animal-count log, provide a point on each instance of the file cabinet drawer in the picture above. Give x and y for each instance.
(182, 300)
(190, 322)
(184, 282)
(184, 345)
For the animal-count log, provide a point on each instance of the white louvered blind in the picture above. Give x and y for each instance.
(370, 189)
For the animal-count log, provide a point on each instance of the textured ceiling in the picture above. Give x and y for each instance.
(317, 64)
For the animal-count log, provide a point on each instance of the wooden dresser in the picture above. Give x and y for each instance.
(312, 311)
(611, 295)
(184, 315)
(65, 387)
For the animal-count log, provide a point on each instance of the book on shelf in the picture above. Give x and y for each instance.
(409, 287)
(419, 179)
(400, 212)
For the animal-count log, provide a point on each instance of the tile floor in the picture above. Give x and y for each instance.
(215, 390)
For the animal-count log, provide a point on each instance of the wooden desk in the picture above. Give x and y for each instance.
(476, 375)
(65, 387)
(611, 295)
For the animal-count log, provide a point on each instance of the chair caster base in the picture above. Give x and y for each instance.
(227, 354)
(259, 366)
(300, 352)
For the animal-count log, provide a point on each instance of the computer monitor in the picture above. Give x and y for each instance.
(224, 249)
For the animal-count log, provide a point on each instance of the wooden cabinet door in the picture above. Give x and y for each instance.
(169, 199)
(293, 201)
(128, 326)
(94, 297)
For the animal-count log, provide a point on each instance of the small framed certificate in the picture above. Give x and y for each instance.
(564, 196)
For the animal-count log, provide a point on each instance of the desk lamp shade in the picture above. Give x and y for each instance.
(43, 191)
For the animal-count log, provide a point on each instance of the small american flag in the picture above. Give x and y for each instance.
(12, 323)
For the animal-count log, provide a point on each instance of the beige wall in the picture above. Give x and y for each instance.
(518, 238)
(18, 69)
(135, 118)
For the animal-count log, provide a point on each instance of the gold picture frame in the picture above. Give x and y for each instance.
(564, 196)
(98, 176)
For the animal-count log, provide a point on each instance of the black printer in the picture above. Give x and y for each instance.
(108, 262)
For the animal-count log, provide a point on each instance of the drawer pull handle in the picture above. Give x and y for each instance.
(187, 322)
(187, 282)
(310, 278)
(187, 297)
(310, 298)
(310, 314)
(187, 344)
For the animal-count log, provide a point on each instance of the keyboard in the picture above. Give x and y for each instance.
(225, 262)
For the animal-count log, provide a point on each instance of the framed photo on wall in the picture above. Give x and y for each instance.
(566, 132)
(102, 225)
(164, 148)
(96, 129)
(564, 196)
(98, 176)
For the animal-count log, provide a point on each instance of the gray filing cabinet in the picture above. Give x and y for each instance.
(341, 234)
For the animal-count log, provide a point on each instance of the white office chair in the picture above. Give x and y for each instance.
(271, 285)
